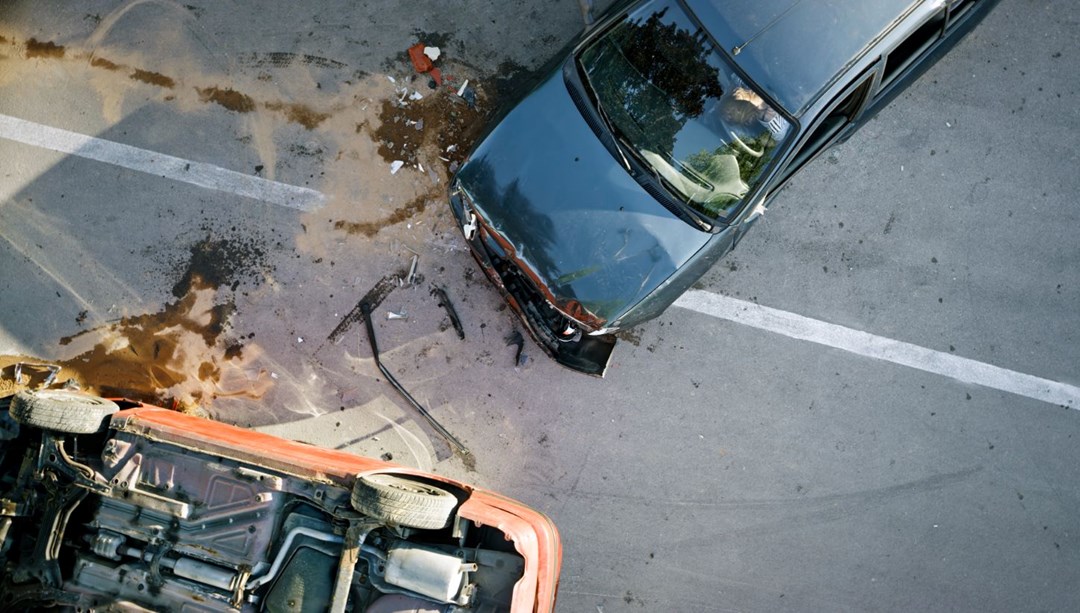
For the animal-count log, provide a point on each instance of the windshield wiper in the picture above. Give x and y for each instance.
(604, 117)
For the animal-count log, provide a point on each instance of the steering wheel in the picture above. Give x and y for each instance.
(746, 148)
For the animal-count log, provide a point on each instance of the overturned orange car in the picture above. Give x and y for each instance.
(121, 506)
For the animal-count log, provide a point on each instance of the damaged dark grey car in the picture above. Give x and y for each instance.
(647, 152)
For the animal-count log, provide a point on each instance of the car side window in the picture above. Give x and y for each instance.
(840, 115)
(912, 47)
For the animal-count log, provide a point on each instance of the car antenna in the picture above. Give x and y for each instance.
(737, 49)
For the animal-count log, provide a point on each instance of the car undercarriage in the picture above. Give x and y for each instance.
(101, 512)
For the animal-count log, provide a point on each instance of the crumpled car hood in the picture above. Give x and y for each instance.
(572, 213)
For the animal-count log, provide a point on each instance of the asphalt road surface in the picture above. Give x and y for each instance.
(871, 405)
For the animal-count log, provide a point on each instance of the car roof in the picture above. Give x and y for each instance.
(793, 49)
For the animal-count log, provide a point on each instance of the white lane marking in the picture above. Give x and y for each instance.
(865, 344)
(160, 164)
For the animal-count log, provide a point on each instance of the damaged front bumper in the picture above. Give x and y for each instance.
(563, 337)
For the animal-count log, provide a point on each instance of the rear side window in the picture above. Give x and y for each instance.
(830, 126)
(911, 48)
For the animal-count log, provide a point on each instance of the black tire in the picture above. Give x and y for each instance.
(62, 411)
(403, 502)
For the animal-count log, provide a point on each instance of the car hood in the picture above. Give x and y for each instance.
(573, 215)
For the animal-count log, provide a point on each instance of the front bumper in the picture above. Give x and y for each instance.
(589, 354)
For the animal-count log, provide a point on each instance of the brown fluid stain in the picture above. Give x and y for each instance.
(371, 228)
(228, 98)
(217, 262)
(178, 358)
(46, 49)
(143, 356)
(153, 78)
(183, 356)
(299, 113)
(438, 120)
(418, 133)
(100, 62)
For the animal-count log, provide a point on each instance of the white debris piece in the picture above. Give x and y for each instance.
(415, 95)
(461, 90)
(433, 53)
(392, 79)
(396, 166)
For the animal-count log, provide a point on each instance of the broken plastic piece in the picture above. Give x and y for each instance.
(432, 52)
(412, 270)
(393, 315)
(444, 302)
(420, 62)
(515, 338)
(469, 97)
(396, 166)
(461, 90)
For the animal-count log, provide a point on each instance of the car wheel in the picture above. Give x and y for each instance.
(62, 411)
(403, 502)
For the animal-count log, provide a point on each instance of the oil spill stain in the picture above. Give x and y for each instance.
(371, 228)
(153, 78)
(440, 120)
(299, 113)
(144, 356)
(182, 356)
(100, 62)
(631, 336)
(373, 298)
(228, 98)
(284, 59)
(46, 49)
(220, 261)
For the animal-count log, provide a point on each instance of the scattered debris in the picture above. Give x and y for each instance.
(396, 166)
(53, 371)
(515, 338)
(444, 302)
(365, 308)
(411, 277)
(469, 97)
(373, 298)
(401, 315)
(422, 60)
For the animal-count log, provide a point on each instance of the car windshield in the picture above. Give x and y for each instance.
(676, 103)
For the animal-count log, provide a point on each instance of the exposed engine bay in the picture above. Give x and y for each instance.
(111, 518)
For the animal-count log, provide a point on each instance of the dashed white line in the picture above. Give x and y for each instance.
(890, 350)
(159, 164)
